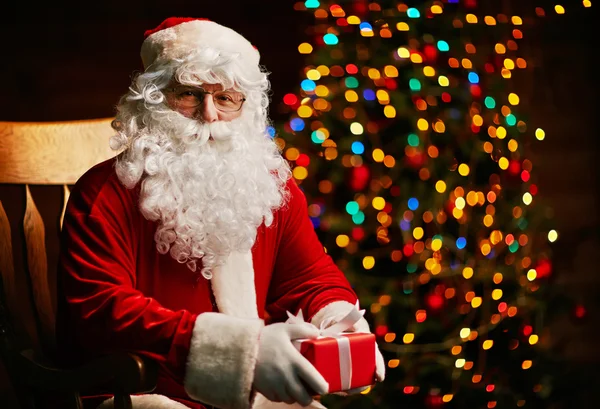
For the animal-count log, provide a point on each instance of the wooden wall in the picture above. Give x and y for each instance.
(69, 59)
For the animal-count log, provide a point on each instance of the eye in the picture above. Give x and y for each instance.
(225, 97)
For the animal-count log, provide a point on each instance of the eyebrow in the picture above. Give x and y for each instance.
(198, 87)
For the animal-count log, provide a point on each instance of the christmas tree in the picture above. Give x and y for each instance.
(408, 138)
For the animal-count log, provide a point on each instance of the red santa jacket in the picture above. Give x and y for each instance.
(116, 292)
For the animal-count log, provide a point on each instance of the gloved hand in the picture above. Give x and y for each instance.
(282, 374)
(354, 391)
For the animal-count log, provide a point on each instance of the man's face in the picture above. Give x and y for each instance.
(211, 176)
(208, 103)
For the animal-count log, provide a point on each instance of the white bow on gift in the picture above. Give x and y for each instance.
(327, 330)
(334, 331)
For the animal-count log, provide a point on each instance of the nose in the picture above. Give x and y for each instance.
(207, 110)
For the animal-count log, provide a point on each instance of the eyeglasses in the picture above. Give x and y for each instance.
(225, 101)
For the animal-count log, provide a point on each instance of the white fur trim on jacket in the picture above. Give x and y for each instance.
(162, 402)
(221, 361)
(260, 402)
(233, 286)
(147, 402)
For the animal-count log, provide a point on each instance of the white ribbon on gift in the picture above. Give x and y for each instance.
(334, 331)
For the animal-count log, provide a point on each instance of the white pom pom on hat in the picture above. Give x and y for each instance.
(178, 37)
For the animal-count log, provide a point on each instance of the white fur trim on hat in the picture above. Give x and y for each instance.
(181, 40)
(221, 361)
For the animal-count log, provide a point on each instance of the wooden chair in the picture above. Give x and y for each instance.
(33, 154)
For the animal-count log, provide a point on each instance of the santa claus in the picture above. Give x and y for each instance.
(182, 246)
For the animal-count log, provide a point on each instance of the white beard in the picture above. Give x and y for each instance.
(208, 195)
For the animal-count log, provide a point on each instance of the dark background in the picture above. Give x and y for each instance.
(72, 59)
(64, 60)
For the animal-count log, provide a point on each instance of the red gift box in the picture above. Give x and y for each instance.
(346, 361)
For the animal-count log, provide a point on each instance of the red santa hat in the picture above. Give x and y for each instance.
(178, 37)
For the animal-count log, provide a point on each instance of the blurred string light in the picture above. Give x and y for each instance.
(444, 221)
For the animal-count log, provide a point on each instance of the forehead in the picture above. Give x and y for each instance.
(212, 87)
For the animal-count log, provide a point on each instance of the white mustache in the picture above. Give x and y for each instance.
(219, 131)
(189, 130)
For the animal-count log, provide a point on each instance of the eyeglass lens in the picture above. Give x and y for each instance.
(223, 100)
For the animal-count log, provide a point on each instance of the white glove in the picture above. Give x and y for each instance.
(282, 374)
(354, 391)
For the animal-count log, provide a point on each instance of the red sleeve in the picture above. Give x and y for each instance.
(305, 277)
(102, 311)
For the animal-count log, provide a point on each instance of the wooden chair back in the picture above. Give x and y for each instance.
(34, 154)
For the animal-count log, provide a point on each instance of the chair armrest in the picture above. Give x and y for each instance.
(124, 372)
